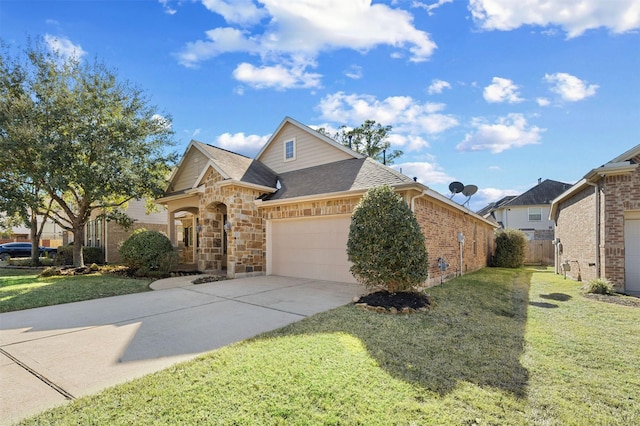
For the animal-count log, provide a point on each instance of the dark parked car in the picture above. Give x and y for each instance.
(23, 250)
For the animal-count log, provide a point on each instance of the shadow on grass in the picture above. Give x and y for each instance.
(560, 297)
(16, 293)
(543, 305)
(474, 333)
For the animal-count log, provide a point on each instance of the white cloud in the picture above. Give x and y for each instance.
(574, 17)
(236, 12)
(502, 90)
(405, 114)
(437, 86)
(167, 8)
(354, 72)
(430, 7)
(220, 40)
(296, 32)
(543, 102)
(276, 77)
(569, 87)
(195, 133)
(508, 132)
(427, 172)
(64, 47)
(408, 142)
(239, 142)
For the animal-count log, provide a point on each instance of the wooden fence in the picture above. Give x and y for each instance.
(540, 252)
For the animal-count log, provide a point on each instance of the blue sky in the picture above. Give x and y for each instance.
(485, 92)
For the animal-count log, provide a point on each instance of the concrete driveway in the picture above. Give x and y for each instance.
(52, 355)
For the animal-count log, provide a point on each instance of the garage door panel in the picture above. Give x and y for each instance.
(313, 248)
(632, 255)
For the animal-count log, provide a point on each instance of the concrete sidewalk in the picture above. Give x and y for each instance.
(51, 355)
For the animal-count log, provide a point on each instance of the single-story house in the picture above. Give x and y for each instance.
(288, 210)
(598, 224)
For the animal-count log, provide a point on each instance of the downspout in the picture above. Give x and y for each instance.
(413, 200)
(596, 187)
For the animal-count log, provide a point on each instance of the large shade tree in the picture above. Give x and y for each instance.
(74, 136)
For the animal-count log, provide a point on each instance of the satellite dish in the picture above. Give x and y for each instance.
(469, 190)
(456, 187)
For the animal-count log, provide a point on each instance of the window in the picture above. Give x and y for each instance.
(535, 214)
(290, 150)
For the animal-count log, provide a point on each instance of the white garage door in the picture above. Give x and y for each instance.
(313, 248)
(632, 256)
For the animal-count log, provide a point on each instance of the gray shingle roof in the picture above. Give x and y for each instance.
(543, 193)
(493, 206)
(241, 168)
(345, 175)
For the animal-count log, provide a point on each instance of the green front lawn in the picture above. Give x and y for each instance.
(22, 289)
(500, 347)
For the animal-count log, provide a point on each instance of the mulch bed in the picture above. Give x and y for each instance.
(400, 302)
(615, 298)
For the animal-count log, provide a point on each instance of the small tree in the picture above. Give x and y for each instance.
(511, 246)
(386, 245)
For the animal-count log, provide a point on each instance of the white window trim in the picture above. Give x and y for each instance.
(285, 150)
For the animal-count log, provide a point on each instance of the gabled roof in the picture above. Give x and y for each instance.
(325, 139)
(230, 165)
(238, 167)
(622, 164)
(542, 193)
(346, 175)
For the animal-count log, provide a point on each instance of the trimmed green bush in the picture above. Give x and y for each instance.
(386, 244)
(511, 246)
(599, 286)
(147, 250)
(89, 254)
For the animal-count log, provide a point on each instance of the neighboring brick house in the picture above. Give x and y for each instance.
(598, 224)
(109, 236)
(529, 211)
(287, 212)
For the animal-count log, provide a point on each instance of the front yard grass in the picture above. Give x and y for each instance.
(500, 347)
(22, 289)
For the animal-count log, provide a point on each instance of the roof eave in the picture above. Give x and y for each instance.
(262, 188)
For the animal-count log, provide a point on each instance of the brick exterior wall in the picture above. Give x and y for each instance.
(577, 232)
(440, 225)
(622, 193)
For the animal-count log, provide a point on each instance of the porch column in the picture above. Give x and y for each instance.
(171, 217)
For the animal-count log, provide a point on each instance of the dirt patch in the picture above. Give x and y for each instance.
(400, 302)
(615, 298)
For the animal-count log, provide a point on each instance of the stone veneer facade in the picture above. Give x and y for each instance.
(576, 228)
(245, 239)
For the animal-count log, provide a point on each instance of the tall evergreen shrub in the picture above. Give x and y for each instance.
(511, 245)
(386, 244)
